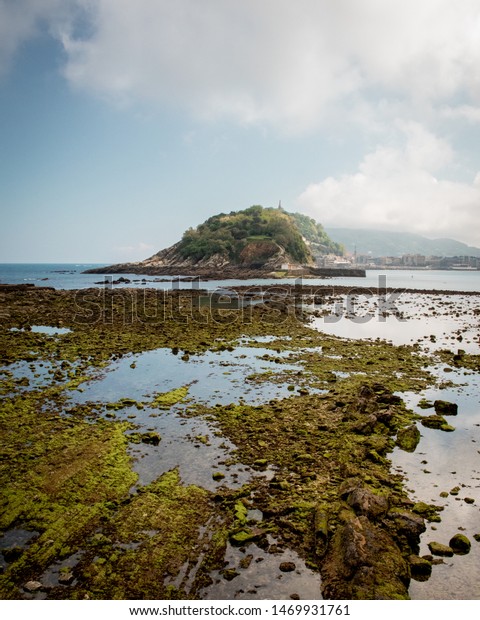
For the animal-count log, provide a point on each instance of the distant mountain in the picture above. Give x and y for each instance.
(387, 243)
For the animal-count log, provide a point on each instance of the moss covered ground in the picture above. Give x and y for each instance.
(66, 473)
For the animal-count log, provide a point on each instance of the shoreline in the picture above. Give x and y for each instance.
(305, 289)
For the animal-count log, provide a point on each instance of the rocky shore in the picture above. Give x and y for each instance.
(228, 272)
(320, 480)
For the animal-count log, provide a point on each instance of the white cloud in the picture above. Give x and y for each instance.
(276, 62)
(396, 188)
(463, 112)
(283, 63)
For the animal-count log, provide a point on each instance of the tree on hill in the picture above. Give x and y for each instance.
(316, 235)
(229, 234)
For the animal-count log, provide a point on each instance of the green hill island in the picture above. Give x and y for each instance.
(255, 242)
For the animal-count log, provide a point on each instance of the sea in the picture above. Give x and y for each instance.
(72, 276)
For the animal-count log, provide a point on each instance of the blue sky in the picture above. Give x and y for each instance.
(124, 122)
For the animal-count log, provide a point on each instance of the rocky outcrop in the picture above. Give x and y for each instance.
(257, 259)
(364, 562)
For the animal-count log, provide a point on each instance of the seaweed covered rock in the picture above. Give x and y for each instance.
(437, 422)
(408, 438)
(406, 527)
(420, 568)
(444, 407)
(364, 562)
(440, 549)
(460, 544)
(321, 531)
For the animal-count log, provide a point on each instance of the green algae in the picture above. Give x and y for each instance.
(58, 477)
(168, 399)
(460, 359)
(147, 542)
(162, 401)
(408, 438)
(429, 511)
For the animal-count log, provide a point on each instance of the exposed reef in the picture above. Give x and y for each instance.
(321, 479)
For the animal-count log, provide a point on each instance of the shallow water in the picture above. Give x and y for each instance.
(441, 462)
(263, 579)
(14, 538)
(192, 444)
(198, 450)
(454, 322)
(214, 377)
(70, 276)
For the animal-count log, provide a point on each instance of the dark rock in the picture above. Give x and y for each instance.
(420, 568)
(443, 407)
(12, 553)
(385, 416)
(366, 425)
(246, 561)
(408, 524)
(321, 532)
(152, 438)
(229, 574)
(348, 485)
(364, 562)
(460, 544)
(287, 567)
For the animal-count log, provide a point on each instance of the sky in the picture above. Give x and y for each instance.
(124, 122)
